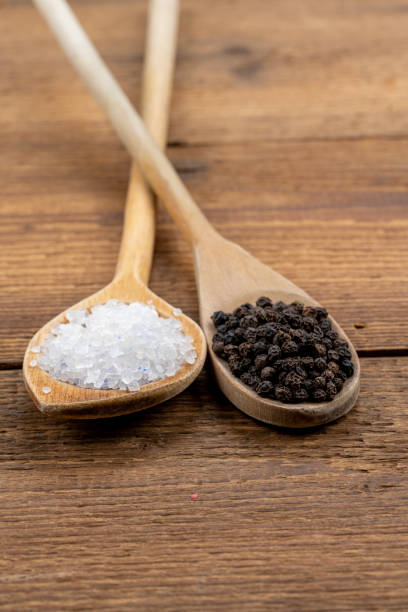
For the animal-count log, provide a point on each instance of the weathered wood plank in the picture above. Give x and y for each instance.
(333, 217)
(100, 513)
(262, 70)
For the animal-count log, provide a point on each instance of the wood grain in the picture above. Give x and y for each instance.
(289, 124)
(332, 217)
(277, 70)
(100, 514)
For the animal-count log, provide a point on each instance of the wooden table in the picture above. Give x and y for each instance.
(290, 126)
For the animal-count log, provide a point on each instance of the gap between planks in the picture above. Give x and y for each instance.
(362, 353)
(183, 144)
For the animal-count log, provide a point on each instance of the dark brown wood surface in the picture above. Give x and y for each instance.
(289, 125)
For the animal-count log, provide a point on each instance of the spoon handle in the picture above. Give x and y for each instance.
(136, 250)
(127, 123)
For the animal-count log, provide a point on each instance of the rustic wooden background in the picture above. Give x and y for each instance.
(290, 126)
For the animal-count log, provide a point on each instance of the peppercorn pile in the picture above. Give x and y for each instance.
(285, 352)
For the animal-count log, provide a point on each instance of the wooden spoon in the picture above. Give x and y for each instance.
(132, 273)
(226, 275)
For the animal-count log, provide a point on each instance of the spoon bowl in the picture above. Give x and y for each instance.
(70, 401)
(229, 276)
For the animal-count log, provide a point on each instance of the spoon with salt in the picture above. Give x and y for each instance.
(61, 399)
(226, 275)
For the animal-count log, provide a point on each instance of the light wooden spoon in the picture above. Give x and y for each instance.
(132, 273)
(226, 275)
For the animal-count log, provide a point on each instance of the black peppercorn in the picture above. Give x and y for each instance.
(309, 312)
(333, 366)
(309, 386)
(300, 371)
(218, 348)
(270, 315)
(260, 347)
(231, 349)
(317, 334)
(308, 324)
(332, 335)
(293, 381)
(248, 334)
(319, 395)
(256, 380)
(234, 363)
(320, 350)
(218, 337)
(320, 382)
(347, 367)
(268, 373)
(289, 348)
(282, 393)
(231, 337)
(261, 361)
(327, 343)
(344, 352)
(274, 353)
(325, 325)
(248, 321)
(307, 362)
(263, 301)
(261, 332)
(320, 364)
(265, 388)
(245, 349)
(292, 363)
(298, 335)
(281, 337)
(270, 330)
(246, 378)
(232, 322)
(331, 389)
(297, 306)
(320, 312)
(259, 313)
(246, 363)
(300, 395)
(295, 321)
(240, 312)
(219, 317)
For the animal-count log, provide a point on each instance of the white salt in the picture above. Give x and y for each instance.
(115, 346)
(46, 390)
(36, 349)
(177, 312)
(33, 363)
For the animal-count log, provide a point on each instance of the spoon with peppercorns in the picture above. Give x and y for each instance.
(276, 353)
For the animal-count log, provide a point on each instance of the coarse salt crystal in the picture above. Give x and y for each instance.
(46, 390)
(33, 363)
(177, 312)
